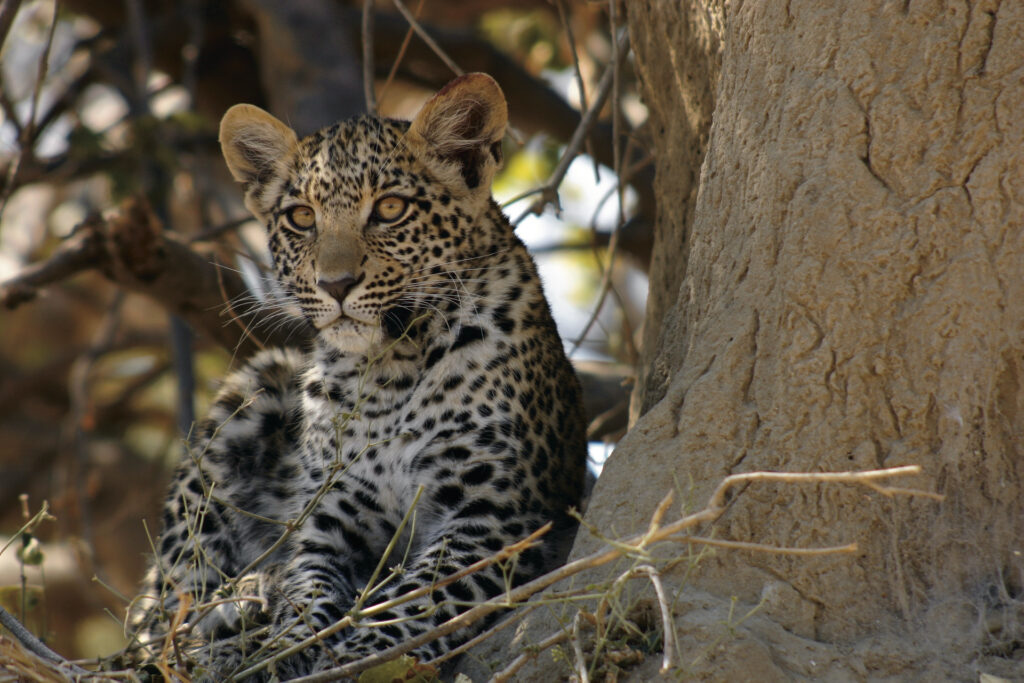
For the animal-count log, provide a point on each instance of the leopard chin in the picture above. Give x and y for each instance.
(352, 336)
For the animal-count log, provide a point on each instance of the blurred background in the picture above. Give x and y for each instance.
(103, 101)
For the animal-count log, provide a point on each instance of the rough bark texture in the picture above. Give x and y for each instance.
(847, 296)
(678, 59)
(852, 298)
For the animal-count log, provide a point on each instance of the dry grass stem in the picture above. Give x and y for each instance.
(635, 547)
(351, 619)
(519, 662)
(667, 627)
(772, 549)
(577, 648)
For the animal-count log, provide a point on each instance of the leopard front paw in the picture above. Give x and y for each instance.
(240, 607)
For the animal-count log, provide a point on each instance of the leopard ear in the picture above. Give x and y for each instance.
(461, 128)
(255, 144)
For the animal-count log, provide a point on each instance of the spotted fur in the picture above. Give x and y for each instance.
(436, 368)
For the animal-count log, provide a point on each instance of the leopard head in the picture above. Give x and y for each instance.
(364, 216)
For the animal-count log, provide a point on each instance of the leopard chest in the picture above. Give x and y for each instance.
(393, 428)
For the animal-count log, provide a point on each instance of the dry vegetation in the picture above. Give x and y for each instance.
(605, 632)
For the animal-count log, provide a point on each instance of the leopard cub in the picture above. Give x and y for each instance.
(434, 420)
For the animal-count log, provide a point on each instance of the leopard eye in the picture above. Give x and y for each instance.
(301, 217)
(390, 209)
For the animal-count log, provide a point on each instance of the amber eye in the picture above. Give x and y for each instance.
(389, 209)
(301, 217)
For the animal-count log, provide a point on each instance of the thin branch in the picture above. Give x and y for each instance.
(36, 646)
(42, 516)
(368, 71)
(485, 635)
(79, 252)
(563, 16)
(899, 491)
(426, 38)
(142, 63)
(603, 289)
(613, 18)
(131, 249)
(74, 432)
(350, 620)
(397, 61)
(37, 90)
(866, 478)
(216, 231)
(10, 114)
(549, 191)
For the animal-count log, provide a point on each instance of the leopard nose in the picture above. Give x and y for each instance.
(338, 288)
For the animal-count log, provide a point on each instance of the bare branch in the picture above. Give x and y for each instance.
(28, 132)
(773, 549)
(549, 191)
(563, 16)
(368, 73)
(426, 38)
(34, 645)
(133, 251)
(481, 637)
(577, 649)
(78, 252)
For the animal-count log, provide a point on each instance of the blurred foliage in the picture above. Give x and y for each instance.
(532, 37)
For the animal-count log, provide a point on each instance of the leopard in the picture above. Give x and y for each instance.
(433, 422)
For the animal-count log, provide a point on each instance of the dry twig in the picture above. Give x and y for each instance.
(368, 72)
(34, 645)
(549, 191)
(635, 546)
(426, 38)
(131, 249)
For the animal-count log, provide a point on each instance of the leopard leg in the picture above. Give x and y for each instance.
(219, 515)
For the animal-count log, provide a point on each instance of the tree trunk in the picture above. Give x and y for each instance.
(848, 296)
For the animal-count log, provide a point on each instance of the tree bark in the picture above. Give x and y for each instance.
(848, 296)
(678, 60)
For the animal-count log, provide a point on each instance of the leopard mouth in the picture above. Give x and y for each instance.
(345, 330)
(343, 319)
